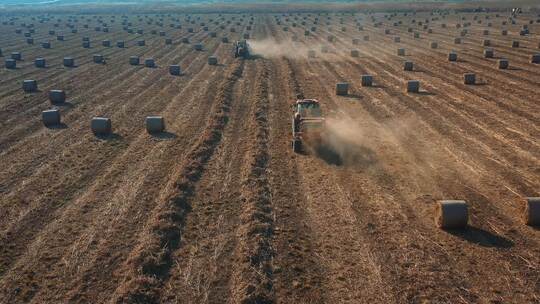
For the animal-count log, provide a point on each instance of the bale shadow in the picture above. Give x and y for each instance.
(163, 135)
(65, 104)
(59, 126)
(378, 86)
(426, 93)
(514, 69)
(109, 137)
(481, 237)
(355, 96)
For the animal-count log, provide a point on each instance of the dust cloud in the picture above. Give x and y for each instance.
(346, 143)
(270, 48)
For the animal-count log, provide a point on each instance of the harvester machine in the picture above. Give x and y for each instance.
(307, 124)
(241, 49)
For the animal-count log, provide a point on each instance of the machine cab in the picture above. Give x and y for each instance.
(308, 108)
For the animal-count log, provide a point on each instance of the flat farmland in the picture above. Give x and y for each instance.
(218, 208)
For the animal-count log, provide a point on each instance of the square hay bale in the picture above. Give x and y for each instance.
(355, 53)
(452, 56)
(469, 78)
(452, 214)
(306, 33)
(535, 58)
(331, 38)
(397, 39)
(504, 32)
(60, 38)
(515, 44)
(366, 38)
(416, 35)
(212, 60)
(225, 40)
(213, 34)
(502, 64)
(485, 32)
(86, 44)
(174, 69)
(488, 53)
(16, 56)
(356, 41)
(98, 58)
(155, 124)
(101, 125)
(486, 42)
(413, 86)
(246, 36)
(134, 60)
(120, 44)
(401, 52)
(69, 62)
(408, 66)
(141, 42)
(168, 41)
(367, 80)
(106, 43)
(532, 211)
(39, 62)
(342, 88)
(457, 40)
(198, 47)
(149, 63)
(434, 45)
(57, 96)
(51, 117)
(29, 85)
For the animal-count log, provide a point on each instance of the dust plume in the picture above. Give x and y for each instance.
(270, 48)
(346, 143)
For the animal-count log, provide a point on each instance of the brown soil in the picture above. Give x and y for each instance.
(219, 208)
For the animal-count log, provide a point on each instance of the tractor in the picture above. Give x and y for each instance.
(241, 49)
(307, 124)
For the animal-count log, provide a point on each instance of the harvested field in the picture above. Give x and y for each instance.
(215, 207)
